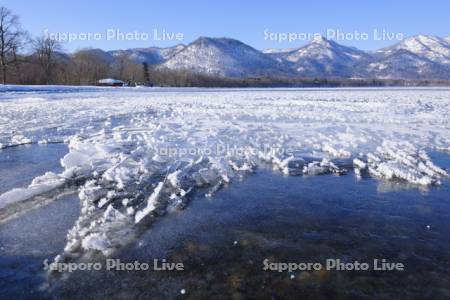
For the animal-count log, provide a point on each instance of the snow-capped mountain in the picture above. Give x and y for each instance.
(425, 46)
(404, 64)
(416, 57)
(224, 57)
(324, 58)
(151, 55)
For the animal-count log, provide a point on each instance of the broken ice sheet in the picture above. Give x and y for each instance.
(131, 150)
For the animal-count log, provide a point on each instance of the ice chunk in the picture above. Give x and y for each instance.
(151, 203)
(40, 185)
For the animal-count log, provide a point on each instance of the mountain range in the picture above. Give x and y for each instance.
(418, 57)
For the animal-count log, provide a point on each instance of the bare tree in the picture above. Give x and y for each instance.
(45, 50)
(11, 39)
(90, 65)
(120, 64)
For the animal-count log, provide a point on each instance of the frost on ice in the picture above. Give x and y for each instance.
(135, 155)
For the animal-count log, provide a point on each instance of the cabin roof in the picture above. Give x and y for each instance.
(110, 81)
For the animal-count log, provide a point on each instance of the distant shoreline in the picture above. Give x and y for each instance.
(18, 88)
(203, 81)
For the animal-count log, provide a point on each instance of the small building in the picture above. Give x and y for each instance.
(110, 82)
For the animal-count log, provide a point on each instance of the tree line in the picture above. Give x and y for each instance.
(41, 60)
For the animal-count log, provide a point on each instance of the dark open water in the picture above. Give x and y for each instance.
(223, 242)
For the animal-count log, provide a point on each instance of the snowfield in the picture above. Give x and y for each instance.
(138, 153)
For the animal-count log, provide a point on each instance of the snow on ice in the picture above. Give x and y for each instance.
(135, 154)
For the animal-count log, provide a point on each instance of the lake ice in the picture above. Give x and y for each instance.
(138, 154)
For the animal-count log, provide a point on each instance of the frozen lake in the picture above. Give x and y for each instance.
(287, 218)
(222, 180)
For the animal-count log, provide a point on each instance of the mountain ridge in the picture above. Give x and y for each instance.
(223, 57)
(415, 57)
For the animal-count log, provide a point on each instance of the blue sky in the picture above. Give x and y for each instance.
(243, 20)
